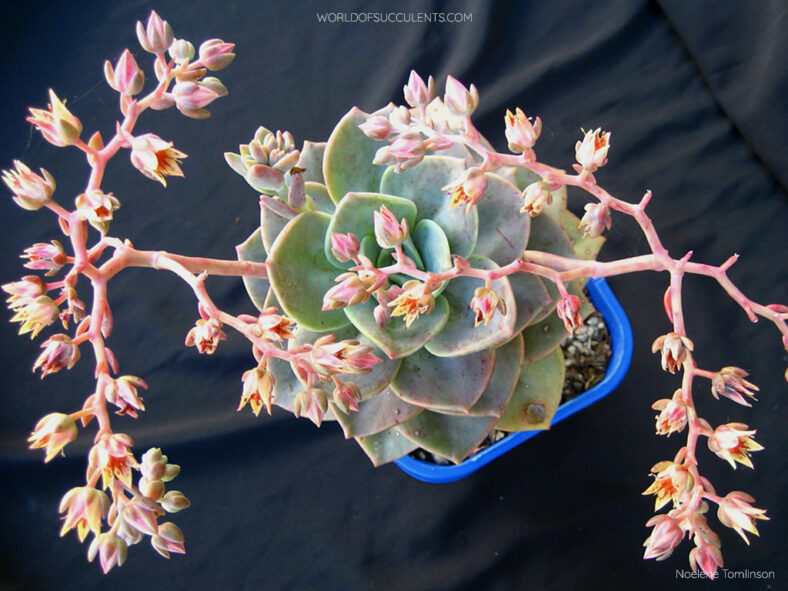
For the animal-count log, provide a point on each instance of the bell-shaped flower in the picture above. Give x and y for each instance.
(35, 315)
(674, 348)
(414, 300)
(735, 511)
(730, 382)
(468, 189)
(85, 507)
(535, 197)
(206, 335)
(258, 387)
(568, 310)
(59, 352)
(672, 482)
(520, 132)
(664, 538)
(591, 152)
(311, 403)
(53, 432)
(733, 443)
(484, 304)
(97, 207)
(48, 257)
(673, 414)
(595, 220)
(155, 158)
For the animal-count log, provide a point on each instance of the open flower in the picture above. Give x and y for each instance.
(352, 289)
(535, 197)
(30, 190)
(468, 189)
(111, 456)
(346, 356)
(270, 325)
(156, 158)
(484, 304)
(206, 335)
(258, 386)
(520, 132)
(59, 352)
(736, 512)
(730, 382)
(54, 432)
(57, 124)
(591, 153)
(49, 257)
(35, 315)
(733, 443)
(414, 300)
(673, 414)
(671, 482)
(21, 293)
(84, 507)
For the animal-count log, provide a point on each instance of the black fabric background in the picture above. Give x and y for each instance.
(694, 94)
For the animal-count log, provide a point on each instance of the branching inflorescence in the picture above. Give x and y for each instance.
(382, 266)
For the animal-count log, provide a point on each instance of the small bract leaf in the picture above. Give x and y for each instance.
(252, 250)
(503, 231)
(422, 184)
(460, 336)
(377, 414)
(437, 383)
(536, 396)
(395, 339)
(347, 161)
(301, 275)
(355, 213)
(386, 446)
(311, 160)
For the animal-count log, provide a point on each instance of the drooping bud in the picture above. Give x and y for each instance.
(169, 538)
(664, 538)
(568, 310)
(536, 196)
(730, 382)
(351, 290)
(54, 432)
(405, 152)
(215, 54)
(311, 403)
(388, 232)
(595, 220)
(206, 335)
(30, 190)
(484, 304)
(674, 348)
(174, 501)
(111, 550)
(733, 443)
(156, 36)
(708, 557)
(346, 396)
(258, 386)
(192, 97)
(126, 77)
(591, 153)
(520, 132)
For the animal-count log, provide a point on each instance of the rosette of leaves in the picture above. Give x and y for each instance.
(444, 384)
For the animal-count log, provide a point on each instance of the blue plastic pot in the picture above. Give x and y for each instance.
(621, 345)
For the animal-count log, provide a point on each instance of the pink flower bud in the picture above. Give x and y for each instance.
(730, 382)
(31, 191)
(405, 152)
(674, 348)
(535, 197)
(673, 415)
(591, 153)
(595, 220)
(376, 128)
(520, 132)
(417, 93)
(388, 232)
(192, 96)
(181, 51)
(708, 557)
(45, 257)
(168, 539)
(664, 538)
(174, 501)
(141, 513)
(54, 432)
(156, 36)
(206, 335)
(59, 352)
(111, 550)
(215, 54)
(23, 292)
(351, 290)
(126, 77)
(733, 443)
(459, 99)
(58, 126)
(258, 387)
(344, 246)
(568, 310)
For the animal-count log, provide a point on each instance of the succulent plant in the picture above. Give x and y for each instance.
(450, 376)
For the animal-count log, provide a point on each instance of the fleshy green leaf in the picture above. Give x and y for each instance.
(319, 195)
(395, 339)
(433, 246)
(377, 414)
(460, 336)
(450, 436)
(271, 225)
(347, 162)
(548, 236)
(386, 446)
(508, 360)
(252, 250)
(301, 275)
(437, 383)
(536, 395)
(422, 184)
(311, 159)
(531, 297)
(503, 230)
(355, 214)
